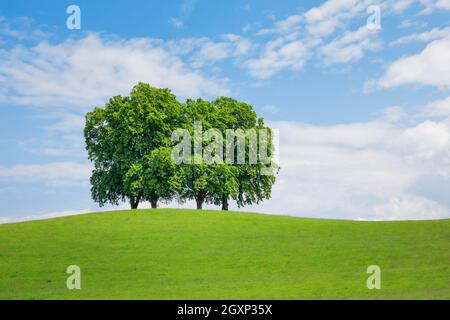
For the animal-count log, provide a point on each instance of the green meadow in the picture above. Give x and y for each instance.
(190, 254)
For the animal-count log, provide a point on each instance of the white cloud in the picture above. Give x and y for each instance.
(428, 139)
(323, 31)
(331, 15)
(287, 25)
(398, 6)
(324, 20)
(67, 122)
(55, 174)
(410, 208)
(443, 4)
(412, 23)
(44, 216)
(279, 55)
(303, 35)
(438, 108)
(434, 34)
(350, 46)
(392, 114)
(22, 29)
(372, 170)
(209, 51)
(65, 145)
(320, 21)
(86, 72)
(429, 67)
(62, 138)
(431, 6)
(176, 23)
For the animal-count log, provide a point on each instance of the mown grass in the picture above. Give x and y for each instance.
(187, 254)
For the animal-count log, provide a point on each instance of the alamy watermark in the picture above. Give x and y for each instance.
(374, 280)
(74, 280)
(374, 20)
(73, 22)
(240, 146)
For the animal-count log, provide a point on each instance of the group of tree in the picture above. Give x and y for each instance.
(130, 142)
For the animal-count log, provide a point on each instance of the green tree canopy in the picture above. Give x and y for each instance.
(122, 140)
(217, 183)
(130, 144)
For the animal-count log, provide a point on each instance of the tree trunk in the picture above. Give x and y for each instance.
(134, 203)
(225, 203)
(154, 202)
(199, 201)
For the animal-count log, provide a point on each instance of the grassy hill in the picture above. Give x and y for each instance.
(184, 254)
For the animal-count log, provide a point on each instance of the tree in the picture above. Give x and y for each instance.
(196, 174)
(130, 144)
(236, 116)
(224, 184)
(228, 178)
(256, 180)
(154, 178)
(122, 140)
(161, 177)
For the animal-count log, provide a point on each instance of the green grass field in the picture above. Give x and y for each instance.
(187, 254)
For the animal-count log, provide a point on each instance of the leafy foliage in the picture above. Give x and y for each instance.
(122, 139)
(129, 142)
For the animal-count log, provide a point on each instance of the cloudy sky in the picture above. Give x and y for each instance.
(363, 112)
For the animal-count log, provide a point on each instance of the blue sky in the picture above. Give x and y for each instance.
(363, 114)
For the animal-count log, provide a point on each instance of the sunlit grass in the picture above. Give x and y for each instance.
(187, 254)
